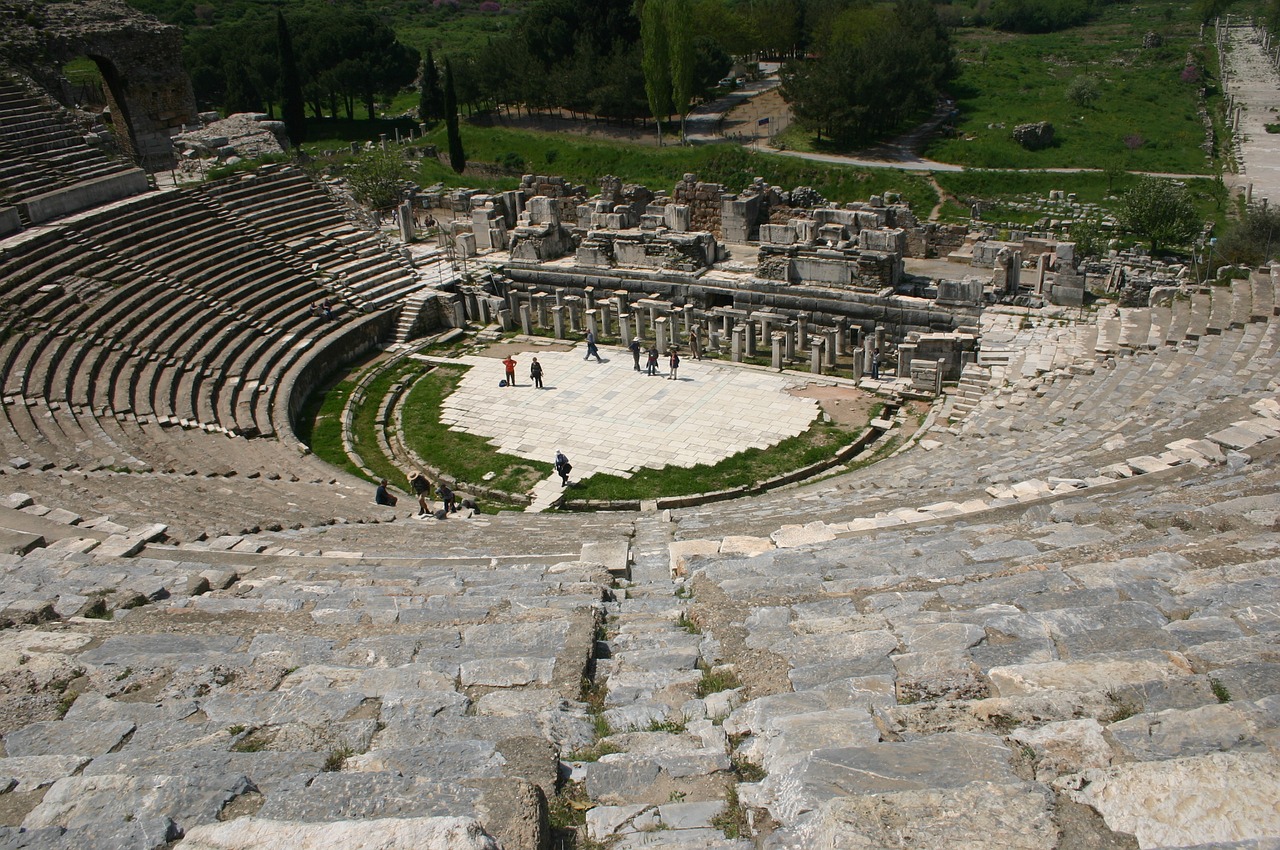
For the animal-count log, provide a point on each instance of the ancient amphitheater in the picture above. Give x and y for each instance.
(1048, 621)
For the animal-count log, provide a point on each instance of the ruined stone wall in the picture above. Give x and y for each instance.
(148, 90)
(567, 196)
(703, 200)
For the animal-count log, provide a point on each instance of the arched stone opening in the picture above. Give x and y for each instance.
(147, 87)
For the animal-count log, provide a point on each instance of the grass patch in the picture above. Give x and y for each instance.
(747, 771)
(334, 761)
(821, 441)
(688, 625)
(593, 753)
(466, 457)
(339, 133)
(584, 160)
(320, 424)
(671, 727)
(593, 692)
(567, 817)
(1003, 195)
(254, 743)
(1146, 111)
(732, 821)
(67, 700)
(715, 680)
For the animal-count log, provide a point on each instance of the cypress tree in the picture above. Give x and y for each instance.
(679, 36)
(429, 106)
(293, 106)
(457, 156)
(655, 61)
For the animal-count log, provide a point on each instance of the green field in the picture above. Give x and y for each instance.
(1145, 115)
(587, 160)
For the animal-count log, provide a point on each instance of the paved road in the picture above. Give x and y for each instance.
(1255, 84)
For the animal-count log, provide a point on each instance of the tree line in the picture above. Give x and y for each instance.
(346, 60)
(853, 69)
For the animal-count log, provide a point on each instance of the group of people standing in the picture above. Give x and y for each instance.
(651, 362)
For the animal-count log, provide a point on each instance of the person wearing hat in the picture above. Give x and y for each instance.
(422, 489)
(634, 348)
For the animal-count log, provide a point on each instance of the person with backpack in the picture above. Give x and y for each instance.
(563, 467)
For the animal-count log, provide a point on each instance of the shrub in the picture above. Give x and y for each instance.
(1083, 90)
(1252, 240)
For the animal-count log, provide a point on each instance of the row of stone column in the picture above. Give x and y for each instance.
(743, 333)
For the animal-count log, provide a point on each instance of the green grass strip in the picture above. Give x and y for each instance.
(821, 441)
(466, 457)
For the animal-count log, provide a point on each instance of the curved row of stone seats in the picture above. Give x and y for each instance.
(930, 663)
(330, 692)
(1069, 424)
(82, 394)
(287, 206)
(1084, 652)
(46, 167)
(34, 128)
(199, 484)
(214, 311)
(281, 201)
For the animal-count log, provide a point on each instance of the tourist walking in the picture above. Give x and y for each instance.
(695, 344)
(635, 352)
(535, 372)
(421, 487)
(592, 351)
(563, 467)
(510, 363)
(653, 360)
(673, 362)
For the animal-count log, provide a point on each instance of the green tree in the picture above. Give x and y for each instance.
(292, 106)
(1251, 240)
(431, 99)
(656, 62)
(1083, 90)
(376, 178)
(878, 69)
(1160, 211)
(680, 53)
(457, 156)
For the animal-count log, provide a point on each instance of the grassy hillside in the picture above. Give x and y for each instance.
(586, 161)
(1144, 116)
(448, 26)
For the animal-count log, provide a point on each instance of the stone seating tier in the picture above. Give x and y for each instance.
(42, 150)
(205, 327)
